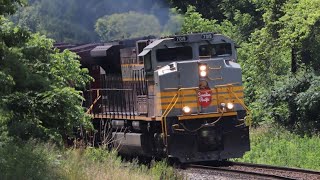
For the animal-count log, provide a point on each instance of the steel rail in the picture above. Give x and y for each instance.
(242, 172)
(299, 170)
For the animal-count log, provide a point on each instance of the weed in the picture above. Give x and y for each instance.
(34, 160)
(277, 146)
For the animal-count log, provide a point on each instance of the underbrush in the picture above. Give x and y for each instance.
(276, 146)
(44, 161)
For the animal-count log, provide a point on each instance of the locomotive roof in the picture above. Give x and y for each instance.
(189, 38)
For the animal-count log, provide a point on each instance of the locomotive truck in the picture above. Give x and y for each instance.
(179, 97)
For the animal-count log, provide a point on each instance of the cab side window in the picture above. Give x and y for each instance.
(215, 50)
(174, 54)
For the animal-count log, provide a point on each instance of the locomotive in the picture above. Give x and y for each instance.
(179, 97)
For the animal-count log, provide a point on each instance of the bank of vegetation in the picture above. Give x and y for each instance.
(34, 160)
(277, 146)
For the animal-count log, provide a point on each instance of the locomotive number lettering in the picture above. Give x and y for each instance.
(207, 36)
(181, 38)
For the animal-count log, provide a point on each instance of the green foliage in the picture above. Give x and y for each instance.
(295, 104)
(10, 7)
(97, 163)
(273, 35)
(276, 146)
(245, 15)
(65, 70)
(210, 9)
(194, 22)
(161, 170)
(74, 20)
(28, 161)
(101, 164)
(299, 19)
(301, 27)
(34, 160)
(38, 97)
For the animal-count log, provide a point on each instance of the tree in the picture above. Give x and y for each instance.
(300, 30)
(38, 98)
(290, 35)
(194, 22)
(10, 7)
(74, 20)
(209, 9)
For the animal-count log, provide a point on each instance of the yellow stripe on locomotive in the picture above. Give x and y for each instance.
(189, 98)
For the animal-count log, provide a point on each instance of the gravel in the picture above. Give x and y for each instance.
(204, 174)
(283, 173)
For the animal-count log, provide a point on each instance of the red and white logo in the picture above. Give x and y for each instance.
(204, 97)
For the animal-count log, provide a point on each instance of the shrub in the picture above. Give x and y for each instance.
(276, 146)
(44, 161)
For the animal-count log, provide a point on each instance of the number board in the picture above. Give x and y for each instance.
(181, 38)
(207, 36)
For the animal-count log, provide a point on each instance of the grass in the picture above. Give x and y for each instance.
(32, 160)
(44, 161)
(276, 146)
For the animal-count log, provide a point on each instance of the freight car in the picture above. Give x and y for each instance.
(179, 97)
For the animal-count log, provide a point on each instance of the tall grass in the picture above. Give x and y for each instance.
(28, 161)
(276, 146)
(44, 161)
(95, 163)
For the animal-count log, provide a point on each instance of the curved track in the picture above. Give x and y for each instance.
(258, 171)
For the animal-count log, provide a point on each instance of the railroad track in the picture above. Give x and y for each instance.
(257, 171)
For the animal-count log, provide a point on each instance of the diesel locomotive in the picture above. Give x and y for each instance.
(179, 97)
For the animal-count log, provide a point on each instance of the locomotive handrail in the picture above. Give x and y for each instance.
(248, 117)
(94, 102)
(217, 78)
(229, 86)
(215, 68)
(107, 107)
(110, 89)
(176, 98)
(164, 116)
(226, 85)
(172, 103)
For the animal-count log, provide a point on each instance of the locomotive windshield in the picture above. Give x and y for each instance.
(215, 50)
(174, 54)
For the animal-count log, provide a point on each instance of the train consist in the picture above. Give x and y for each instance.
(179, 97)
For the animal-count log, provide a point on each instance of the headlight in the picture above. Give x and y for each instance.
(203, 70)
(203, 67)
(186, 110)
(230, 106)
(203, 73)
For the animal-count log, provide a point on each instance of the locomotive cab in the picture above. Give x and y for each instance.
(184, 48)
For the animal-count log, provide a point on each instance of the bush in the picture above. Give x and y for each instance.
(28, 161)
(295, 102)
(44, 161)
(276, 146)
